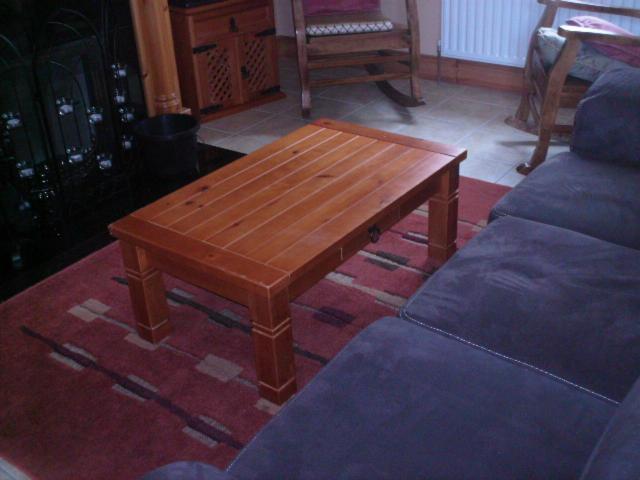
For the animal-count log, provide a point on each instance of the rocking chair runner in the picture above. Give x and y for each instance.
(547, 90)
(356, 35)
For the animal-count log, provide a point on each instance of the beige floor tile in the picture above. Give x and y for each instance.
(383, 115)
(288, 69)
(361, 93)
(289, 80)
(263, 133)
(238, 122)
(288, 62)
(326, 108)
(491, 96)
(434, 130)
(511, 179)
(498, 125)
(435, 93)
(432, 93)
(463, 112)
(511, 148)
(242, 143)
(211, 136)
(291, 100)
(483, 169)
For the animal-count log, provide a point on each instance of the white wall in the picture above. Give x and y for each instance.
(429, 12)
(284, 18)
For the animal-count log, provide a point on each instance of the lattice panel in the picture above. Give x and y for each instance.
(220, 88)
(255, 54)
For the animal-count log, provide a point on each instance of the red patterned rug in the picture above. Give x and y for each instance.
(84, 397)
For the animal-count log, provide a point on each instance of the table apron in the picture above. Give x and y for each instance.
(199, 277)
(316, 270)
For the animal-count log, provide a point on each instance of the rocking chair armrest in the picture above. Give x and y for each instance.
(592, 7)
(594, 35)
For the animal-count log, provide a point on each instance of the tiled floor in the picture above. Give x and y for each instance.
(471, 117)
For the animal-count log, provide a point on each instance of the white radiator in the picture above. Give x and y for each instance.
(498, 31)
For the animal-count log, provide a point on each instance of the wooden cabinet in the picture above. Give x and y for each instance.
(226, 54)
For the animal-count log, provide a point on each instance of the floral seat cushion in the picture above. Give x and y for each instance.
(589, 64)
(347, 24)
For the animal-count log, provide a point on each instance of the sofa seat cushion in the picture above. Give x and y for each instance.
(592, 197)
(401, 401)
(560, 301)
(617, 455)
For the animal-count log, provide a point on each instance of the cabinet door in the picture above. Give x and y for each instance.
(259, 64)
(218, 71)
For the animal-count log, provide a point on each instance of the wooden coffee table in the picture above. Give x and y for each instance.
(267, 227)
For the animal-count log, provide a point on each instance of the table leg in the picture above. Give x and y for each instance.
(147, 292)
(273, 345)
(443, 217)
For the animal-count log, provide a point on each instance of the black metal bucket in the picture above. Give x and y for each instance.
(169, 144)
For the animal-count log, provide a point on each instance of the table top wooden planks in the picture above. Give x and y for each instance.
(267, 218)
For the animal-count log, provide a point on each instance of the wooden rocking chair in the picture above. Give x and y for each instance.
(548, 89)
(356, 38)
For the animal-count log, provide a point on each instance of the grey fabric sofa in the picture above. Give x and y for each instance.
(518, 359)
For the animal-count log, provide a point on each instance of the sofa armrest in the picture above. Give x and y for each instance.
(187, 471)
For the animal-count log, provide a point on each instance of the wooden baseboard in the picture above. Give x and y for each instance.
(463, 72)
(466, 72)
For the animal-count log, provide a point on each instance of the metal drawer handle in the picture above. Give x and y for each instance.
(374, 234)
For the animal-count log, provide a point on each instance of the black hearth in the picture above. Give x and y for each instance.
(70, 95)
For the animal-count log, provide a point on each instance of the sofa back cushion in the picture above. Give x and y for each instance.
(617, 454)
(607, 123)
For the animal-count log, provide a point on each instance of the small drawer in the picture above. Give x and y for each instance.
(208, 28)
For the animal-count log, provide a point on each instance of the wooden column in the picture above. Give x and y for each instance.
(154, 39)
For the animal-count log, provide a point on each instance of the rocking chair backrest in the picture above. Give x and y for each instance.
(321, 7)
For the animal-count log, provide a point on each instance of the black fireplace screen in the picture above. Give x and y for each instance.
(70, 92)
